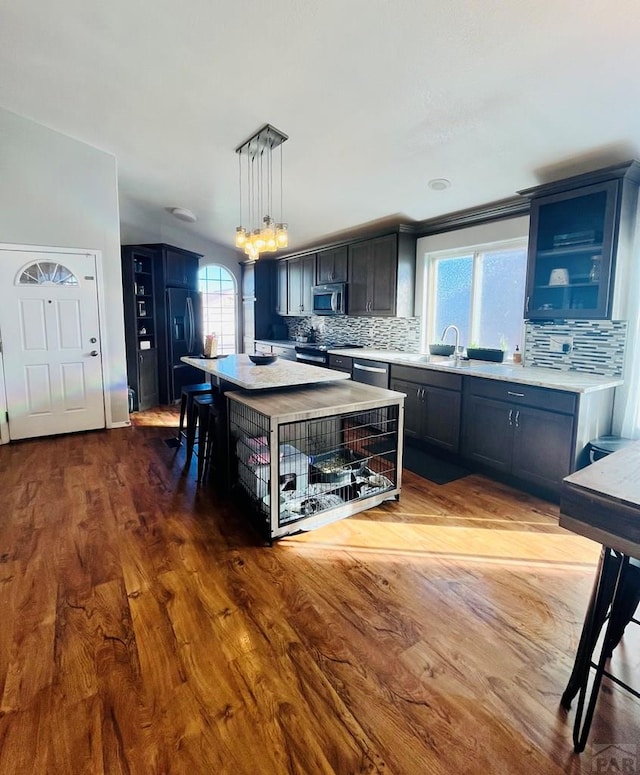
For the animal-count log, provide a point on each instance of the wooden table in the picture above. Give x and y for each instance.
(602, 502)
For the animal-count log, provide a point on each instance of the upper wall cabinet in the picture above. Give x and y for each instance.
(301, 275)
(331, 265)
(382, 276)
(579, 229)
(180, 268)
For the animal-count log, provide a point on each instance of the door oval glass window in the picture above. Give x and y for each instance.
(47, 273)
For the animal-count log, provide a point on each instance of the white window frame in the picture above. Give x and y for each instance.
(429, 334)
(203, 269)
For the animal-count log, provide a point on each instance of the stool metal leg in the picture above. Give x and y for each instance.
(582, 726)
(211, 444)
(599, 603)
(203, 427)
(192, 422)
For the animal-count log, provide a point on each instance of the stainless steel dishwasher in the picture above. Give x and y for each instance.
(374, 373)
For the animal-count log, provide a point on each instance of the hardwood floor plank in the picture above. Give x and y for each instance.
(146, 629)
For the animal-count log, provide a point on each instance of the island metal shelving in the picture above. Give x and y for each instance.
(307, 457)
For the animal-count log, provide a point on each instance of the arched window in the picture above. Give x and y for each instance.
(219, 306)
(47, 273)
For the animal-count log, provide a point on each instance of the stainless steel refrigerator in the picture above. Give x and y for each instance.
(184, 337)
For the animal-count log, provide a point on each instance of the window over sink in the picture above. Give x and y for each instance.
(480, 290)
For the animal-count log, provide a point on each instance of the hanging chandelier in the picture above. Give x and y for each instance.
(256, 166)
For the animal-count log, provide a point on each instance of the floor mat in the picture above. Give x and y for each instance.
(423, 463)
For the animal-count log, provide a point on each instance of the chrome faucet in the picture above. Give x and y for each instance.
(456, 344)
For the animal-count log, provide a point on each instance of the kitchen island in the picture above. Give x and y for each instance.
(305, 454)
(240, 371)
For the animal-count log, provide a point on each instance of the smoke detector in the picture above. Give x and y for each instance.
(439, 184)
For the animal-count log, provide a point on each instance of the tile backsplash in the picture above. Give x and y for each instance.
(402, 334)
(598, 346)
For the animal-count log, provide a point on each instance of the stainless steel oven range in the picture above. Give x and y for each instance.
(318, 354)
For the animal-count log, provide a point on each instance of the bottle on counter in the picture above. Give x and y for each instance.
(517, 355)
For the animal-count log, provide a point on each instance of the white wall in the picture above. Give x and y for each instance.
(140, 224)
(56, 191)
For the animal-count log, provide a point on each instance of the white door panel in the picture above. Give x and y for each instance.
(50, 340)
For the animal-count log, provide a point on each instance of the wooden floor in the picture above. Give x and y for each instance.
(144, 628)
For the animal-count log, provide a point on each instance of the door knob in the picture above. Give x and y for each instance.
(94, 353)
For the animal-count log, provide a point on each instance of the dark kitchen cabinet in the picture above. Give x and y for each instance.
(259, 300)
(141, 326)
(331, 265)
(432, 406)
(171, 323)
(527, 432)
(282, 286)
(341, 363)
(578, 229)
(381, 275)
(147, 393)
(301, 275)
(180, 267)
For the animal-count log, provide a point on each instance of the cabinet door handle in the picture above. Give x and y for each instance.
(518, 395)
(510, 416)
(517, 419)
(192, 324)
(526, 305)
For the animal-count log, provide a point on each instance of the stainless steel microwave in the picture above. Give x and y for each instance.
(329, 299)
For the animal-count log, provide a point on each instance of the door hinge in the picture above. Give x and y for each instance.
(6, 414)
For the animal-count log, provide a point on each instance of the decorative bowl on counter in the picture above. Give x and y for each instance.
(485, 354)
(441, 349)
(260, 359)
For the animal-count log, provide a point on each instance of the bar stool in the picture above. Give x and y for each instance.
(615, 597)
(186, 404)
(207, 414)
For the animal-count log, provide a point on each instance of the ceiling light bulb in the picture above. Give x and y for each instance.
(182, 214)
(241, 237)
(282, 235)
(258, 240)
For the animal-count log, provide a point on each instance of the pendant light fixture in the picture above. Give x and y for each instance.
(261, 234)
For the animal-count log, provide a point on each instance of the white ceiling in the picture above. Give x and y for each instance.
(377, 97)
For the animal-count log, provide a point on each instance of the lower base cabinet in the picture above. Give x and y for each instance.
(432, 406)
(148, 394)
(517, 436)
(533, 444)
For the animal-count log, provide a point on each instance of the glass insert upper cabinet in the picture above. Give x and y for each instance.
(578, 228)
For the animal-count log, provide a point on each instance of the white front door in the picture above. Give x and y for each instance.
(50, 342)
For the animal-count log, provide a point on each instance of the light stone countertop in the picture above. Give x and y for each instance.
(239, 370)
(323, 401)
(571, 381)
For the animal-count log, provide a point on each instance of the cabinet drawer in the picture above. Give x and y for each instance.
(541, 398)
(440, 379)
(286, 353)
(343, 362)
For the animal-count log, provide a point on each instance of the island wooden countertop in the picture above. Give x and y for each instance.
(602, 501)
(240, 371)
(321, 401)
